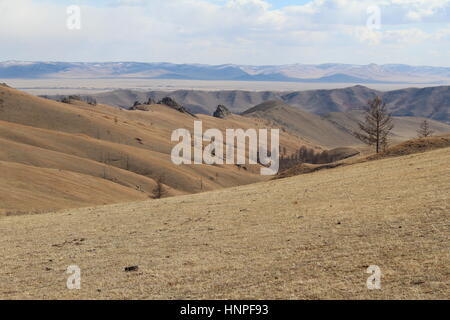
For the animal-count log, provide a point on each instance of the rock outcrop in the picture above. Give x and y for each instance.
(150, 101)
(168, 101)
(171, 103)
(221, 112)
(139, 106)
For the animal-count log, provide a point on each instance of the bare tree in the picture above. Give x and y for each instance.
(159, 191)
(375, 129)
(425, 130)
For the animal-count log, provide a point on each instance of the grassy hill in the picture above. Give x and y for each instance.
(307, 125)
(305, 237)
(126, 149)
(405, 128)
(336, 128)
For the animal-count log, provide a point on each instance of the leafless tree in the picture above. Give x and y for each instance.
(377, 125)
(425, 130)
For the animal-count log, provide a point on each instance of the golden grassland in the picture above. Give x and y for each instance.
(305, 237)
(121, 152)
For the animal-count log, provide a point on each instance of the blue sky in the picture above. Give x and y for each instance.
(260, 32)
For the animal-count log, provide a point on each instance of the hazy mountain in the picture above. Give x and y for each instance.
(433, 103)
(329, 73)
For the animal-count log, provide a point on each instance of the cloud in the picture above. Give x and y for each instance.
(222, 31)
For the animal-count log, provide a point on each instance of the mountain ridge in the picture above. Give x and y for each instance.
(306, 73)
(432, 102)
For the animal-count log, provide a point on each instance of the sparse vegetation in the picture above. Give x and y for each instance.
(309, 155)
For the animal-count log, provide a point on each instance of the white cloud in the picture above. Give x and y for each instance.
(215, 31)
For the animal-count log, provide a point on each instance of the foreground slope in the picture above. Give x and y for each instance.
(311, 236)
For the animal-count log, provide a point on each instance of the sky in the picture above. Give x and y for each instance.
(245, 32)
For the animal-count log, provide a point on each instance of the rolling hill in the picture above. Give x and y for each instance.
(311, 127)
(405, 128)
(334, 129)
(120, 151)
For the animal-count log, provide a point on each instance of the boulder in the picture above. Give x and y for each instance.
(221, 112)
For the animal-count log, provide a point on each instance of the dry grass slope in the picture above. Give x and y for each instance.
(126, 149)
(405, 148)
(306, 237)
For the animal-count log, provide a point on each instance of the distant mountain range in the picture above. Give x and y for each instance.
(323, 73)
(432, 102)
